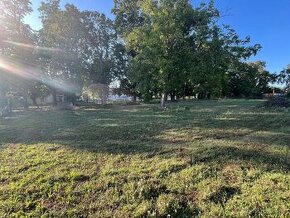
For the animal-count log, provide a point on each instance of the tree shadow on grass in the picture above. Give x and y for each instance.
(138, 130)
(269, 160)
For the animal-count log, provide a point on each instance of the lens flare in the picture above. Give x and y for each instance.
(15, 67)
(23, 45)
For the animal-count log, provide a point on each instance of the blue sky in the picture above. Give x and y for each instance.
(267, 22)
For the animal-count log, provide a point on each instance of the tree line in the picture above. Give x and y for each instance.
(152, 48)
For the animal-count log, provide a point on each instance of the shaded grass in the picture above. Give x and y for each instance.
(202, 158)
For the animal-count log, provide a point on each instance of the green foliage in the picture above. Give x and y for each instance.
(12, 13)
(251, 80)
(99, 46)
(62, 35)
(152, 48)
(87, 40)
(16, 50)
(284, 78)
(174, 46)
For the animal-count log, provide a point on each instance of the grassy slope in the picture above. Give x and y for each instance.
(207, 158)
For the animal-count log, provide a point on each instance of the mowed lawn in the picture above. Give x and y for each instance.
(227, 158)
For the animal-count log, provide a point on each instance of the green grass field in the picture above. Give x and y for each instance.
(227, 158)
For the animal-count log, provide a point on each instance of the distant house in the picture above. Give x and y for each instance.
(60, 97)
(119, 98)
(103, 94)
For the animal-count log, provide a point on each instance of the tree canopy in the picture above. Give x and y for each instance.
(151, 49)
(175, 47)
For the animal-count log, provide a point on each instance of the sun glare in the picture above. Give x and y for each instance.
(23, 45)
(15, 67)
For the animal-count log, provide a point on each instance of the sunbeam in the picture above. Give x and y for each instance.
(24, 45)
(15, 67)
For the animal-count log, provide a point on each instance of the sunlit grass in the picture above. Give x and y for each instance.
(203, 158)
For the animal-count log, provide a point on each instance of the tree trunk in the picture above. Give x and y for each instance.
(54, 97)
(34, 102)
(163, 100)
(172, 96)
(25, 103)
(9, 105)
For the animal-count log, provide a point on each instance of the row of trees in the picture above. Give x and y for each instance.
(153, 48)
(72, 49)
(179, 50)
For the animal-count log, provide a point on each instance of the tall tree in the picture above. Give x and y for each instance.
(99, 43)
(155, 39)
(284, 78)
(86, 41)
(12, 13)
(250, 80)
(128, 17)
(173, 46)
(16, 43)
(62, 35)
(217, 49)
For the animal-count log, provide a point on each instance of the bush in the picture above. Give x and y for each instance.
(277, 102)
